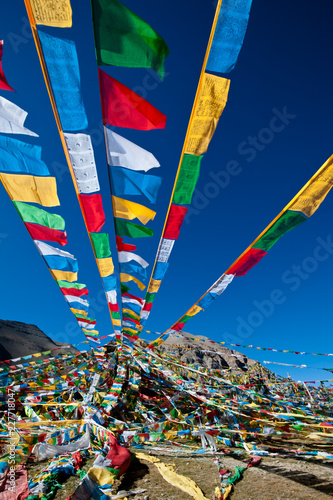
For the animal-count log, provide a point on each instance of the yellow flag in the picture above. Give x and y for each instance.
(194, 310)
(154, 286)
(79, 311)
(136, 316)
(63, 275)
(56, 13)
(208, 109)
(31, 189)
(90, 331)
(129, 210)
(116, 322)
(124, 277)
(130, 329)
(105, 266)
(312, 196)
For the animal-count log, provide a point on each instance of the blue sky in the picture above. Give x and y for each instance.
(283, 70)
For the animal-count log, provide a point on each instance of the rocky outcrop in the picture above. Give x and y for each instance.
(21, 339)
(203, 352)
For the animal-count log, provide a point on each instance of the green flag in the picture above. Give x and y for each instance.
(67, 284)
(123, 39)
(285, 223)
(101, 245)
(149, 297)
(187, 179)
(125, 228)
(34, 215)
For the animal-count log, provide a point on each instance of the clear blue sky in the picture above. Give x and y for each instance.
(284, 67)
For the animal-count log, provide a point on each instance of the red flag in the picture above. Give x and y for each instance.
(75, 291)
(130, 296)
(113, 307)
(174, 222)
(44, 233)
(124, 247)
(249, 259)
(124, 108)
(3, 81)
(148, 306)
(93, 209)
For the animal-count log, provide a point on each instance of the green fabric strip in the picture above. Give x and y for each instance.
(124, 288)
(125, 228)
(115, 315)
(187, 179)
(101, 245)
(150, 297)
(34, 215)
(285, 223)
(123, 39)
(67, 284)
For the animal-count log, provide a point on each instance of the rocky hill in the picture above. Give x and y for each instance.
(20, 339)
(203, 352)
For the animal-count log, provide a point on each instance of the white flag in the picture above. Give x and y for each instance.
(12, 119)
(45, 249)
(124, 153)
(128, 256)
(81, 153)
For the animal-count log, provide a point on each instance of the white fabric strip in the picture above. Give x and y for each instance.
(164, 250)
(123, 153)
(45, 249)
(12, 118)
(128, 256)
(81, 153)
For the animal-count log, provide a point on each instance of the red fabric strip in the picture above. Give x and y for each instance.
(148, 306)
(174, 222)
(3, 81)
(75, 291)
(44, 233)
(130, 296)
(124, 108)
(93, 209)
(249, 259)
(113, 307)
(124, 247)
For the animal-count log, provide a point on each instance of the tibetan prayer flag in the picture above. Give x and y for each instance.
(187, 179)
(164, 250)
(93, 211)
(129, 183)
(128, 256)
(131, 314)
(29, 213)
(150, 297)
(101, 245)
(105, 267)
(194, 310)
(63, 69)
(154, 286)
(229, 35)
(74, 291)
(57, 13)
(12, 118)
(81, 153)
(3, 81)
(77, 286)
(148, 306)
(21, 157)
(61, 263)
(221, 284)
(245, 263)
(45, 233)
(28, 188)
(124, 247)
(112, 297)
(124, 108)
(135, 306)
(127, 267)
(285, 223)
(78, 311)
(79, 300)
(63, 275)
(314, 194)
(124, 39)
(133, 297)
(45, 249)
(124, 228)
(208, 109)
(110, 283)
(129, 210)
(123, 153)
(160, 270)
(174, 222)
(126, 277)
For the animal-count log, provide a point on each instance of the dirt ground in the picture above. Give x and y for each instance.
(274, 479)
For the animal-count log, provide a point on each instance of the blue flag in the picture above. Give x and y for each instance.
(61, 263)
(21, 157)
(126, 267)
(130, 182)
